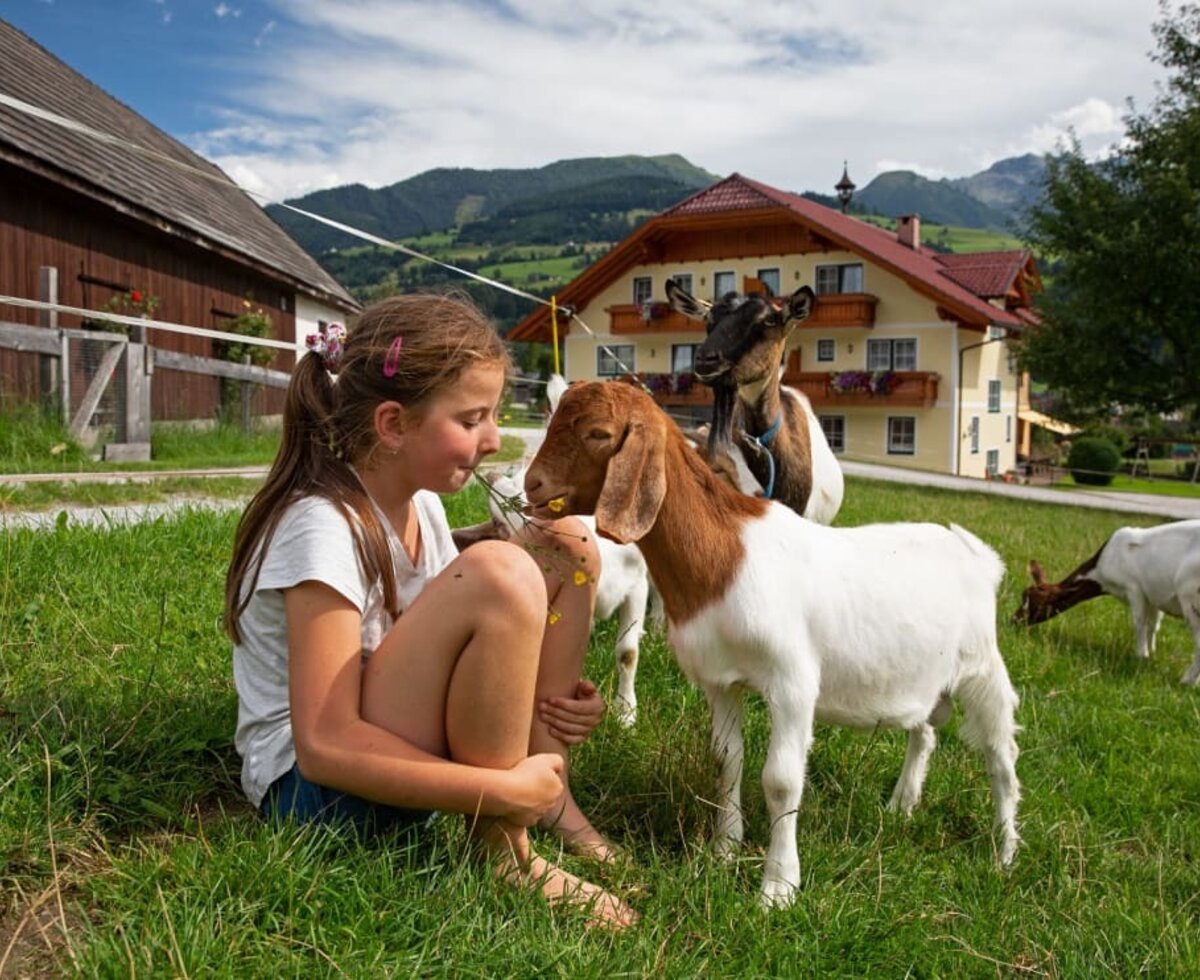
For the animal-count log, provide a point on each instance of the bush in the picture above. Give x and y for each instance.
(1093, 460)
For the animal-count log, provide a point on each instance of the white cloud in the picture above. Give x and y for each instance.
(374, 91)
(223, 10)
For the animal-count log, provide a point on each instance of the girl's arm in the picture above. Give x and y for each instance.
(336, 747)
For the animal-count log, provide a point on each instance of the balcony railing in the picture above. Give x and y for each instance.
(653, 318)
(904, 389)
(843, 310)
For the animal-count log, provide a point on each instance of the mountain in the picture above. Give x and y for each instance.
(1010, 186)
(900, 192)
(994, 198)
(450, 197)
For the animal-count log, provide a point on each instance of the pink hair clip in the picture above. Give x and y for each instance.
(391, 363)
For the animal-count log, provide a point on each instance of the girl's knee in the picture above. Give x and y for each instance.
(507, 575)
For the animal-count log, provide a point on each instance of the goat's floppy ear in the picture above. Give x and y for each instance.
(684, 302)
(634, 487)
(1035, 569)
(801, 304)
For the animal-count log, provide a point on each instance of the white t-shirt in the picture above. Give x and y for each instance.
(313, 542)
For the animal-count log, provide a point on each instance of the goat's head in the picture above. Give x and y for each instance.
(1039, 601)
(603, 454)
(746, 334)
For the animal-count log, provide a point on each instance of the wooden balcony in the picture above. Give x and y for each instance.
(627, 318)
(912, 389)
(843, 310)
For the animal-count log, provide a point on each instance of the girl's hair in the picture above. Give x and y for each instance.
(405, 349)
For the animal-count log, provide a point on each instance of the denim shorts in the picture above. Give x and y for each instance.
(293, 797)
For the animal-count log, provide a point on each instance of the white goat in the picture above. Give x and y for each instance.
(1152, 570)
(871, 626)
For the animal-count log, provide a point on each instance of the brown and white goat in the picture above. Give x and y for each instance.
(871, 626)
(773, 426)
(1152, 570)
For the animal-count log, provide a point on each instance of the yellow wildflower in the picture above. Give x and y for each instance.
(557, 504)
(581, 577)
(553, 616)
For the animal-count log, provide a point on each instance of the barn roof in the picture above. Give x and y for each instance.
(208, 210)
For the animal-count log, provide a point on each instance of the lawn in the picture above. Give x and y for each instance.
(126, 849)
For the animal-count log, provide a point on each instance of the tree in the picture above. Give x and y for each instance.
(1121, 316)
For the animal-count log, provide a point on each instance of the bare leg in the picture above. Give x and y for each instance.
(569, 559)
(462, 686)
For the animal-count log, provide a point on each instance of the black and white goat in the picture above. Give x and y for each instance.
(827, 624)
(773, 426)
(1152, 570)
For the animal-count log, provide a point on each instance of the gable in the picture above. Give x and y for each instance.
(738, 217)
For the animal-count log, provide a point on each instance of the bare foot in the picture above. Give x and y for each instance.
(579, 837)
(604, 909)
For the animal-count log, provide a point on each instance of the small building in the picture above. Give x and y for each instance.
(84, 221)
(906, 357)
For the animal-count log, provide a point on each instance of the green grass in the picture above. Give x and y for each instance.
(124, 837)
(34, 442)
(1123, 483)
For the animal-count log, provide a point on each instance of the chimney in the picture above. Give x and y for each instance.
(908, 230)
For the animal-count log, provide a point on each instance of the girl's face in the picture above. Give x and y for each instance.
(456, 430)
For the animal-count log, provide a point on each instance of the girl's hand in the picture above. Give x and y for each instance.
(571, 720)
(537, 787)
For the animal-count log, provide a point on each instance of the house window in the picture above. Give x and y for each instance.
(643, 290)
(901, 435)
(614, 360)
(996, 333)
(846, 278)
(683, 357)
(993, 462)
(770, 279)
(834, 427)
(684, 281)
(1008, 428)
(723, 282)
(994, 396)
(892, 355)
(826, 350)
(973, 429)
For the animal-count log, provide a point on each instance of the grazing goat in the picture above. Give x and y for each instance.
(871, 626)
(1152, 570)
(773, 426)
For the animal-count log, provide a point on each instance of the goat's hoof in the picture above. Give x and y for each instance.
(726, 848)
(1189, 679)
(1008, 851)
(902, 804)
(777, 894)
(626, 715)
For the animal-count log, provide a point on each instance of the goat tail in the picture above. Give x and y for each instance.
(984, 552)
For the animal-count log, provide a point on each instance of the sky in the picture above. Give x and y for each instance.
(290, 96)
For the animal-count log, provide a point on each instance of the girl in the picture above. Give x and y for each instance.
(381, 675)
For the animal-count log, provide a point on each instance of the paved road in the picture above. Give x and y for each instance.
(1167, 508)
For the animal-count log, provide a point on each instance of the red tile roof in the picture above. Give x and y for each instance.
(924, 267)
(960, 285)
(987, 274)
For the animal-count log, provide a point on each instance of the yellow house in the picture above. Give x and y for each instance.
(905, 359)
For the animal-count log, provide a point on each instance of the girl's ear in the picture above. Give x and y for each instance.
(391, 421)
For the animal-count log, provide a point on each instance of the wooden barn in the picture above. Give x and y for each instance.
(91, 224)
